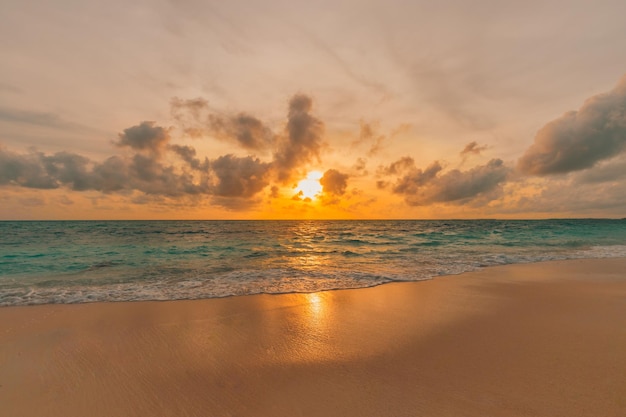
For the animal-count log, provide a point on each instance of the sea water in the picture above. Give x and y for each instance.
(84, 261)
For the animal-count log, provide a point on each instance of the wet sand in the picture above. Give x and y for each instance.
(544, 339)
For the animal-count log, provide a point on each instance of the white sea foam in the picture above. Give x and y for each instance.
(165, 261)
(272, 281)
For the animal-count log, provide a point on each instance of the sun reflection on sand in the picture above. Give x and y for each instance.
(316, 305)
(312, 343)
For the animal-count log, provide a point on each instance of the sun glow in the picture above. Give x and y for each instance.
(310, 187)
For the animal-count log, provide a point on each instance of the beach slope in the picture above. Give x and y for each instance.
(545, 339)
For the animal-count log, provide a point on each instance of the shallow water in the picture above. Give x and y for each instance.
(83, 261)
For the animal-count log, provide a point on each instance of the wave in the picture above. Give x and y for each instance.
(229, 281)
(128, 261)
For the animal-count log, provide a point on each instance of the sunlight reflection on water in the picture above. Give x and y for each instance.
(82, 261)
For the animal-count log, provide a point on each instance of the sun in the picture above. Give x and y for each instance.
(310, 187)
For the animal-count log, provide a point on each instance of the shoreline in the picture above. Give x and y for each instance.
(374, 285)
(536, 339)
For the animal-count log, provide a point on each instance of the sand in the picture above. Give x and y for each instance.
(545, 339)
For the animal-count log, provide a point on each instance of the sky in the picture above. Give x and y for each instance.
(200, 109)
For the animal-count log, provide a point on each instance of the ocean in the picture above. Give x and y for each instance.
(43, 262)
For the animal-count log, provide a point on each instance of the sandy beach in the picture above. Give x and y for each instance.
(545, 339)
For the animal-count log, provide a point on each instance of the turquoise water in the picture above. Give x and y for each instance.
(84, 261)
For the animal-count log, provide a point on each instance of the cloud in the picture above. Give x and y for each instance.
(33, 118)
(360, 165)
(144, 168)
(334, 182)
(580, 139)
(247, 131)
(567, 196)
(196, 120)
(63, 169)
(608, 171)
(303, 140)
(411, 183)
(25, 170)
(194, 107)
(152, 177)
(152, 168)
(188, 154)
(42, 119)
(69, 169)
(367, 134)
(421, 187)
(380, 184)
(298, 196)
(111, 175)
(191, 116)
(472, 148)
(239, 177)
(146, 136)
(398, 167)
(300, 144)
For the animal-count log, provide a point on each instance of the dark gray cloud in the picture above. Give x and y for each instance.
(188, 154)
(421, 187)
(411, 183)
(152, 177)
(580, 139)
(398, 167)
(146, 136)
(303, 140)
(224, 178)
(613, 170)
(24, 170)
(247, 131)
(197, 120)
(68, 169)
(145, 174)
(334, 182)
(569, 196)
(145, 168)
(111, 175)
(37, 170)
(301, 143)
(472, 148)
(63, 169)
(239, 177)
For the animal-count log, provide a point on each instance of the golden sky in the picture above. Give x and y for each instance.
(290, 109)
